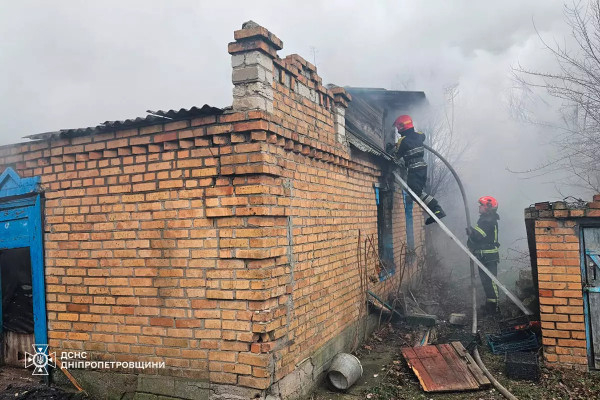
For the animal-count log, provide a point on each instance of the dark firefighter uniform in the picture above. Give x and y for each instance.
(410, 147)
(483, 243)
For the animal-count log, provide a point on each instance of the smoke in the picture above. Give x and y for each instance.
(66, 65)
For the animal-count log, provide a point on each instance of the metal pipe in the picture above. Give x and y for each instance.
(386, 305)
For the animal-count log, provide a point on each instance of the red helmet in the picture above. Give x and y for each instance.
(489, 203)
(403, 123)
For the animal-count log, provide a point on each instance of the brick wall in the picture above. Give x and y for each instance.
(138, 266)
(556, 236)
(223, 245)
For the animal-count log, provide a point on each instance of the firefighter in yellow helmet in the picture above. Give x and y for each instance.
(483, 243)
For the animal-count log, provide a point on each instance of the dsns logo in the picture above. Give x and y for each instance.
(40, 360)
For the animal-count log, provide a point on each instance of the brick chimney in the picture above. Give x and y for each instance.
(341, 98)
(252, 56)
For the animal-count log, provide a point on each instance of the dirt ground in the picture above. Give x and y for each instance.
(388, 377)
(19, 384)
(386, 374)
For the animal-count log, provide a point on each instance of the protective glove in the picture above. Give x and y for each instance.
(469, 230)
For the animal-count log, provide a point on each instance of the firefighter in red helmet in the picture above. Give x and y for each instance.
(483, 243)
(409, 145)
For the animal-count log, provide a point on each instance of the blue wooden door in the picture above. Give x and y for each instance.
(21, 227)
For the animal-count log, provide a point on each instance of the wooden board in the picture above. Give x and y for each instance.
(471, 364)
(445, 368)
(15, 347)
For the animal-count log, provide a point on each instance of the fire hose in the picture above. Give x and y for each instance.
(473, 260)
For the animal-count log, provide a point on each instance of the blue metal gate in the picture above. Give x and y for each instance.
(590, 269)
(21, 227)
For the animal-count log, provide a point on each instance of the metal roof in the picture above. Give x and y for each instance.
(389, 98)
(365, 145)
(152, 118)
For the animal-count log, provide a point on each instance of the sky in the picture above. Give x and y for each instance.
(70, 64)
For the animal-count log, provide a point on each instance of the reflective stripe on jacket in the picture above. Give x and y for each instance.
(483, 238)
(410, 147)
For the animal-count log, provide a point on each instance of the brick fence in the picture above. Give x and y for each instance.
(554, 235)
(223, 245)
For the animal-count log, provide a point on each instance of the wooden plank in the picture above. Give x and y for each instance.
(444, 368)
(458, 365)
(443, 375)
(15, 344)
(471, 364)
(435, 366)
(420, 371)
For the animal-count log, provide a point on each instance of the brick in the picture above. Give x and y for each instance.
(569, 310)
(259, 360)
(568, 293)
(552, 285)
(572, 343)
(554, 317)
(552, 300)
(570, 326)
(222, 377)
(237, 369)
(219, 294)
(253, 382)
(572, 359)
(551, 333)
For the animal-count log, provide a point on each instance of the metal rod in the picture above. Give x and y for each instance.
(386, 305)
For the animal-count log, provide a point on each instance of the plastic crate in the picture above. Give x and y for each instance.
(512, 342)
(522, 365)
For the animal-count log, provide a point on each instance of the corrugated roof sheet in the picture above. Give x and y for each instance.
(154, 117)
(363, 144)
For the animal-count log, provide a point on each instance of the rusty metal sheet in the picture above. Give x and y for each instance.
(444, 368)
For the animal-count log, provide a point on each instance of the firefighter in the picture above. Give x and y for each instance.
(483, 243)
(409, 145)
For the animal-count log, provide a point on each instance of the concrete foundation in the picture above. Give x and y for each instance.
(312, 371)
(120, 386)
(307, 375)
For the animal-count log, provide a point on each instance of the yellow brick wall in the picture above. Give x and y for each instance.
(557, 232)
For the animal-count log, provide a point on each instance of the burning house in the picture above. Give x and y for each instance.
(229, 250)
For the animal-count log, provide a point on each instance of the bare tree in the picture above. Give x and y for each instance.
(576, 84)
(439, 128)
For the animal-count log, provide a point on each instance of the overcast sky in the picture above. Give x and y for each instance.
(70, 64)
